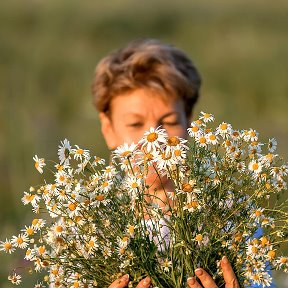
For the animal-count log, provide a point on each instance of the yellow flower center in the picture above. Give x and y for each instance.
(173, 141)
(131, 229)
(91, 243)
(72, 206)
(105, 184)
(134, 185)
(35, 222)
(7, 246)
(29, 231)
(202, 140)
(80, 152)
(125, 153)
(41, 249)
(151, 137)
(271, 254)
(20, 240)
(193, 204)
(100, 197)
(177, 153)
(258, 213)
(125, 239)
(59, 229)
(223, 126)
(199, 237)
(255, 166)
(254, 249)
(212, 137)
(186, 187)
(195, 129)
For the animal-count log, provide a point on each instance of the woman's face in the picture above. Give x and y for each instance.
(133, 113)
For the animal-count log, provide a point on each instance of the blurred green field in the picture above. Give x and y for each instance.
(49, 49)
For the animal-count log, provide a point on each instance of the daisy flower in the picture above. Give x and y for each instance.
(241, 167)
(192, 206)
(15, 279)
(29, 254)
(125, 151)
(64, 152)
(206, 117)
(28, 230)
(175, 143)
(92, 244)
(255, 167)
(39, 285)
(80, 154)
(106, 185)
(212, 138)
(272, 145)
(201, 140)
(252, 135)
(106, 251)
(201, 239)
(98, 161)
(39, 163)
(194, 129)
(58, 228)
(131, 230)
(133, 183)
(21, 241)
(109, 172)
(7, 246)
(38, 224)
(166, 265)
(123, 242)
(165, 161)
(224, 129)
(30, 198)
(153, 138)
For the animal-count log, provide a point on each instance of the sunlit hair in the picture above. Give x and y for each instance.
(146, 64)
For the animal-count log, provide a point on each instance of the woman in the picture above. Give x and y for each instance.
(149, 84)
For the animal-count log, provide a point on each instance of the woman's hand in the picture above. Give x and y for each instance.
(207, 281)
(123, 282)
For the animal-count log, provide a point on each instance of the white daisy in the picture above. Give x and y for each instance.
(255, 167)
(30, 198)
(80, 154)
(153, 138)
(224, 129)
(64, 152)
(21, 241)
(15, 279)
(7, 246)
(39, 163)
(206, 117)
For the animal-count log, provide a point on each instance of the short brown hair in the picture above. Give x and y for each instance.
(146, 64)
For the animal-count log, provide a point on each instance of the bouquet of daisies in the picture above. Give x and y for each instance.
(96, 222)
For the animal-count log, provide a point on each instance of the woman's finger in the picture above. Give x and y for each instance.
(144, 283)
(192, 283)
(120, 283)
(206, 280)
(228, 274)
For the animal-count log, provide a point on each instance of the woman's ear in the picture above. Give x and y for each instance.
(108, 130)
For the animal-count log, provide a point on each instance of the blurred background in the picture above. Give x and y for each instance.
(49, 49)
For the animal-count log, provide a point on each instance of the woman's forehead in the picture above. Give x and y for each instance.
(140, 102)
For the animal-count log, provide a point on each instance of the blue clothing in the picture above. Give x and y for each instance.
(258, 234)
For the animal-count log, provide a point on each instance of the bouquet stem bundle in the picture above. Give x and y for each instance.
(210, 197)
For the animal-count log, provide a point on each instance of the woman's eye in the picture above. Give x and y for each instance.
(170, 123)
(136, 124)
